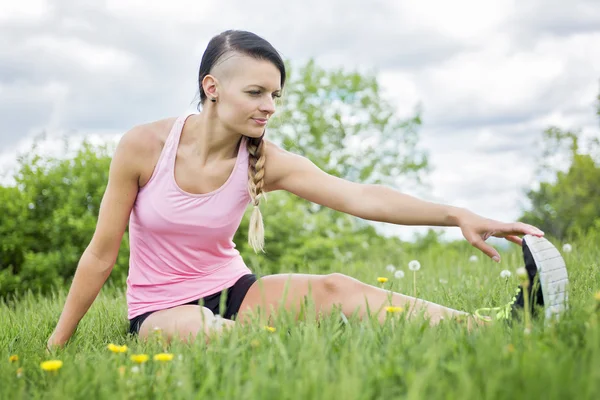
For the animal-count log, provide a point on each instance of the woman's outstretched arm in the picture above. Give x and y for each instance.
(298, 175)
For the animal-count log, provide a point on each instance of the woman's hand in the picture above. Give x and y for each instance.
(477, 230)
(55, 341)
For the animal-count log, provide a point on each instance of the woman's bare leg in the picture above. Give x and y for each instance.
(328, 291)
(184, 322)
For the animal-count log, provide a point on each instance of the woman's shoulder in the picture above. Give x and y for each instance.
(150, 136)
(143, 144)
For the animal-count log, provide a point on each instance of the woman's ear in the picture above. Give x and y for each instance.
(209, 85)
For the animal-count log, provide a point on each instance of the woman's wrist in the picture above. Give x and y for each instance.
(455, 215)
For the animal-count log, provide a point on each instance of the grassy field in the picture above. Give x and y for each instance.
(333, 359)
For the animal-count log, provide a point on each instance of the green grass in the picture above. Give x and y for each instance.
(330, 360)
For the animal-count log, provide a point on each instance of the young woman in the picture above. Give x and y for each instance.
(183, 185)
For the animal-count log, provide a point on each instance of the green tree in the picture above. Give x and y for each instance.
(341, 121)
(338, 119)
(51, 215)
(567, 205)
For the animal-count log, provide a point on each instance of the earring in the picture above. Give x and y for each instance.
(213, 99)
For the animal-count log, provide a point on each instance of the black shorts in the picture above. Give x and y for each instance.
(235, 296)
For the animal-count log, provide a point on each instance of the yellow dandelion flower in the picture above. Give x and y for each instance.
(117, 349)
(51, 365)
(139, 358)
(597, 296)
(382, 279)
(163, 357)
(394, 309)
(270, 328)
(13, 358)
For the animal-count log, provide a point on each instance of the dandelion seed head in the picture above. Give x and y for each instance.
(505, 274)
(135, 369)
(567, 248)
(414, 265)
(390, 268)
(473, 258)
(218, 322)
(399, 274)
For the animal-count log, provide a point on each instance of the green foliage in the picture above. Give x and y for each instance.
(341, 121)
(308, 360)
(568, 206)
(51, 213)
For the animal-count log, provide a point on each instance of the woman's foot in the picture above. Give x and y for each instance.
(548, 283)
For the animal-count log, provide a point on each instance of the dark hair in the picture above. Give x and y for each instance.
(242, 42)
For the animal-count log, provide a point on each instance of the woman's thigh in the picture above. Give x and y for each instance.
(184, 322)
(289, 291)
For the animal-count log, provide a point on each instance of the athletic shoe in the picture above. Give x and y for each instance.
(548, 281)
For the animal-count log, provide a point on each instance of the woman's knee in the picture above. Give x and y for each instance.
(183, 322)
(336, 283)
(205, 323)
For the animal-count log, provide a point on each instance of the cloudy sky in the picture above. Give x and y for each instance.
(490, 75)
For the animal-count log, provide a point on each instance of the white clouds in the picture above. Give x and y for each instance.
(24, 10)
(469, 20)
(52, 143)
(92, 57)
(555, 17)
(485, 110)
(497, 80)
(490, 75)
(182, 11)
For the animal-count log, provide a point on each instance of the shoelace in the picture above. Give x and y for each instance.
(503, 312)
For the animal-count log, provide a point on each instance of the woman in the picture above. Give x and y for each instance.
(183, 185)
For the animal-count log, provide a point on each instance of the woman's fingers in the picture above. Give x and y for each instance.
(520, 228)
(514, 239)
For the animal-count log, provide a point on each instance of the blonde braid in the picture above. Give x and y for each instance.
(256, 173)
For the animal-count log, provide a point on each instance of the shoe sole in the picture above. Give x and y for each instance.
(552, 272)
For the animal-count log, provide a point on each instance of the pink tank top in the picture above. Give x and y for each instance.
(181, 244)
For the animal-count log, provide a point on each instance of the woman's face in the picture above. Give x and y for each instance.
(246, 89)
